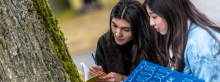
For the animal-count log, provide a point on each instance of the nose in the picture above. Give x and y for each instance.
(152, 23)
(118, 33)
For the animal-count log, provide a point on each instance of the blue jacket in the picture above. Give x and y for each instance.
(200, 56)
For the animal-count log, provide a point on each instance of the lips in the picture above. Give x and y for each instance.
(158, 30)
(119, 39)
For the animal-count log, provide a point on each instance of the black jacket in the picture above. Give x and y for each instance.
(108, 61)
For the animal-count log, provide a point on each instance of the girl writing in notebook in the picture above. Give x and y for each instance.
(129, 41)
(187, 37)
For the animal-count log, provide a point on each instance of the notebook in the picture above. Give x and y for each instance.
(149, 72)
(85, 70)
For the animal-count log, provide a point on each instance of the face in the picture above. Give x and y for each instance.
(121, 30)
(157, 22)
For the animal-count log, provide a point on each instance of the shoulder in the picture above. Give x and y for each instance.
(200, 41)
(201, 53)
(199, 34)
(103, 38)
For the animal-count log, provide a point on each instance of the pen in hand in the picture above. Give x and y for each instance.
(94, 58)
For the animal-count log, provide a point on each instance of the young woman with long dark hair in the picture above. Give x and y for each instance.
(129, 41)
(187, 37)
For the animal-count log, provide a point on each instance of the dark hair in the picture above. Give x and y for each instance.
(176, 13)
(144, 47)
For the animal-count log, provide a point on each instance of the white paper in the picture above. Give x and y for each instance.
(85, 70)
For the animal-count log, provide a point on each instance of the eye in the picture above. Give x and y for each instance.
(114, 25)
(154, 17)
(126, 29)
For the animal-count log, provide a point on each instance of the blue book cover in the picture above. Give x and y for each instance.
(149, 72)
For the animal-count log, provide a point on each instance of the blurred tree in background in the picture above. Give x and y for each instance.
(32, 46)
(59, 5)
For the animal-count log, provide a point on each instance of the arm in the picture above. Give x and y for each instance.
(100, 55)
(95, 70)
(200, 61)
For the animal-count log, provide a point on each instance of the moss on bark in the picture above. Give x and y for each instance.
(57, 40)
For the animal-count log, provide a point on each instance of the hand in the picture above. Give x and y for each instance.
(111, 77)
(95, 70)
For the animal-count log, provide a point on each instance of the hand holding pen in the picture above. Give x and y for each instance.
(95, 69)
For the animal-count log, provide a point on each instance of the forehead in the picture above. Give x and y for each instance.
(149, 10)
(120, 22)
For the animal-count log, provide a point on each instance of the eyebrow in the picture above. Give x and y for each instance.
(114, 23)
(126, 27)
(122, 27)
(151, 13)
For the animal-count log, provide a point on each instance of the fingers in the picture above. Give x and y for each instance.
(111, 77)
(100, 69)
(92, 74)
(107, 78)
(93, 71)
(97, 68)
(93, 68)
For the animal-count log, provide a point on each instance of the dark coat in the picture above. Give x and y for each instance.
(108, 61)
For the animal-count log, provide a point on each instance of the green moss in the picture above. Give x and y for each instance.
(30, 9)
(49, 77)
(33, 25)
(27, 27)
(56, 39)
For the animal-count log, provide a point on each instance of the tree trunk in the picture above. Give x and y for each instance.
(32, 47)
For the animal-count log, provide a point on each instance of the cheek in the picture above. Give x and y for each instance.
(129, 36)
(162, 24)
(113, 30)
(166, 27)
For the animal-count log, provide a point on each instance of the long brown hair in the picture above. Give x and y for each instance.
(144, 47)
(176, 13)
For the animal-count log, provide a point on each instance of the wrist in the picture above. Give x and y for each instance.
(122, 77)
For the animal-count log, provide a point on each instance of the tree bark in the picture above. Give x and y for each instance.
(32, 47)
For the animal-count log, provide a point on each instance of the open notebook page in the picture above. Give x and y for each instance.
(85, 71)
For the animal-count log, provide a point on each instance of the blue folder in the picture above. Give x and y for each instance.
(149, 72)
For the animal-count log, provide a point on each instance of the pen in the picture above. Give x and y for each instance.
(94, 58)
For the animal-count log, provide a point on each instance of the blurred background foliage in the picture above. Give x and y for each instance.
(82, 21)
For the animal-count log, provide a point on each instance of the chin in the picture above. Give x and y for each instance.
(163, 33)
(120, 43)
